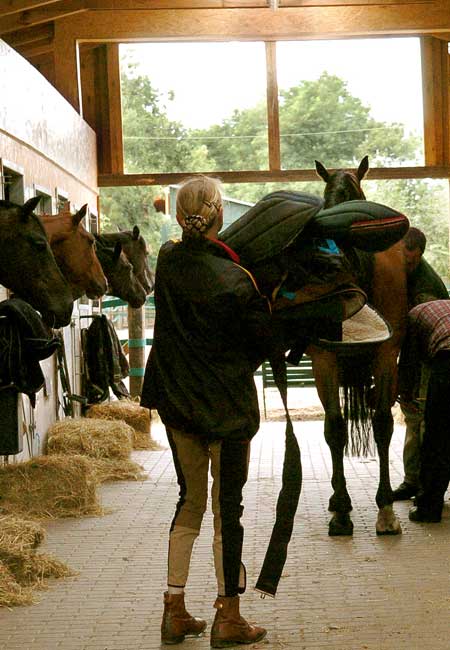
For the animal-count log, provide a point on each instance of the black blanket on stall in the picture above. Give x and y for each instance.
(24, 342)
(105, 362)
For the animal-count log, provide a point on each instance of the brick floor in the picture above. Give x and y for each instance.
(359, 593)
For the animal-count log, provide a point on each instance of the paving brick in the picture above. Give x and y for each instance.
(359, 593)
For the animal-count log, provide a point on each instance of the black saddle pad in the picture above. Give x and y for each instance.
(279, 218)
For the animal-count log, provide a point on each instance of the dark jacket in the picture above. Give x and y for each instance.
(424, 284)
(212, 330)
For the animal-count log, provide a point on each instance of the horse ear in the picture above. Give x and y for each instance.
(30, 205)
(363, 168)
(136, 232)
(321, 171)
(79, 216)
(117, 251)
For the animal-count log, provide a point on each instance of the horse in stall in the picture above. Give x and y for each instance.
(386, 288)
(28, 266)
(134, 248)
(74, 250)
(122, 282)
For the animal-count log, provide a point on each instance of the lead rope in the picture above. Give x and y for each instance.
(288, 497)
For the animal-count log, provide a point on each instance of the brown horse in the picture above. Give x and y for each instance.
(74, 250)
(135, 249)
(122, 281)
(28, 266)
(386, 290)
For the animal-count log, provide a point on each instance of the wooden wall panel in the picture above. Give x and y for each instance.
(34, 113)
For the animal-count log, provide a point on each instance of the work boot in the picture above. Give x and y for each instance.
(404, 492)
(177, 623)
(229, 628)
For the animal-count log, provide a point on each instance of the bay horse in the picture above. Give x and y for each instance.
(386, 288)
(135, 249)
(74, 250)
(122, 282)
(28, 266)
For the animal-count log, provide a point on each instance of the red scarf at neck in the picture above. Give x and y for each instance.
(234, 256)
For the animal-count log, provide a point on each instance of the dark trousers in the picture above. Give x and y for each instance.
(435, 450)
(227, 461)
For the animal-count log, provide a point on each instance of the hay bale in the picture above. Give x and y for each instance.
(50, 486)
(109, 469)
(11, 593)
(133, 414)
(21, 568)
(105, 443)
(20, 534)
(96, 438)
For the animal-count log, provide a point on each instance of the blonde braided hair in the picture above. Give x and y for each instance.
(198, 204)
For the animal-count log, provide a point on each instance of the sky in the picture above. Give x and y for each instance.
(209, 80)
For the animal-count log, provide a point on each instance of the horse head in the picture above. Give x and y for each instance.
(74, 250)
(122, 281)
(28, 266)
(135, 249)
(342, 184)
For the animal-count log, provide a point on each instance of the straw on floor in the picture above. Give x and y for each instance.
(132, 413)
(50, 486)
(106, 444)
(22, 569)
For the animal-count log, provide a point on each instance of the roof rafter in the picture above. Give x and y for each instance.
(41, 14)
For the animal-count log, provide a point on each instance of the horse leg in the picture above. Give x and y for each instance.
(383, 426)
(327, 383)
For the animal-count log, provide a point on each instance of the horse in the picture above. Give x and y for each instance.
(135, 249)
(122, 281)
(28, 266)
(74, 250)
(387, 292)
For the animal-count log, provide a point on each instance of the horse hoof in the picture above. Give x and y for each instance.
(340, 525)
(387, 523)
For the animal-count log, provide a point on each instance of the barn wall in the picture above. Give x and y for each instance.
(46, 142)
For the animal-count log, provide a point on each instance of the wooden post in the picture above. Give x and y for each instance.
(136, 345)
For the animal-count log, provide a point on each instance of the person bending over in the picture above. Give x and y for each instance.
(424, 284)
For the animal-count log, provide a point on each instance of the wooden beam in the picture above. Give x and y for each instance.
(30, 35)
(16, 6)
(174, 4)
(109, 118)
(36, 48)
(266, 176)
(435, 84)
(273, 119)
(261, 24)
(44, 14)
(67, 64)
(335, 3)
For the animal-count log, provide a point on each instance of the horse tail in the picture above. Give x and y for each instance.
(356, 382)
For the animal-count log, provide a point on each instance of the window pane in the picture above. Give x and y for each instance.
(340, 100)
(194, 106)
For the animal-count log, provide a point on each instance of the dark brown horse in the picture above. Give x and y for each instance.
(135, 249)
(122, 281)
(74, 250)
(28, 266)
(386, 290)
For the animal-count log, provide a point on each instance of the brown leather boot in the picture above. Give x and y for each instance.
(229, 628)
(177, 623)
